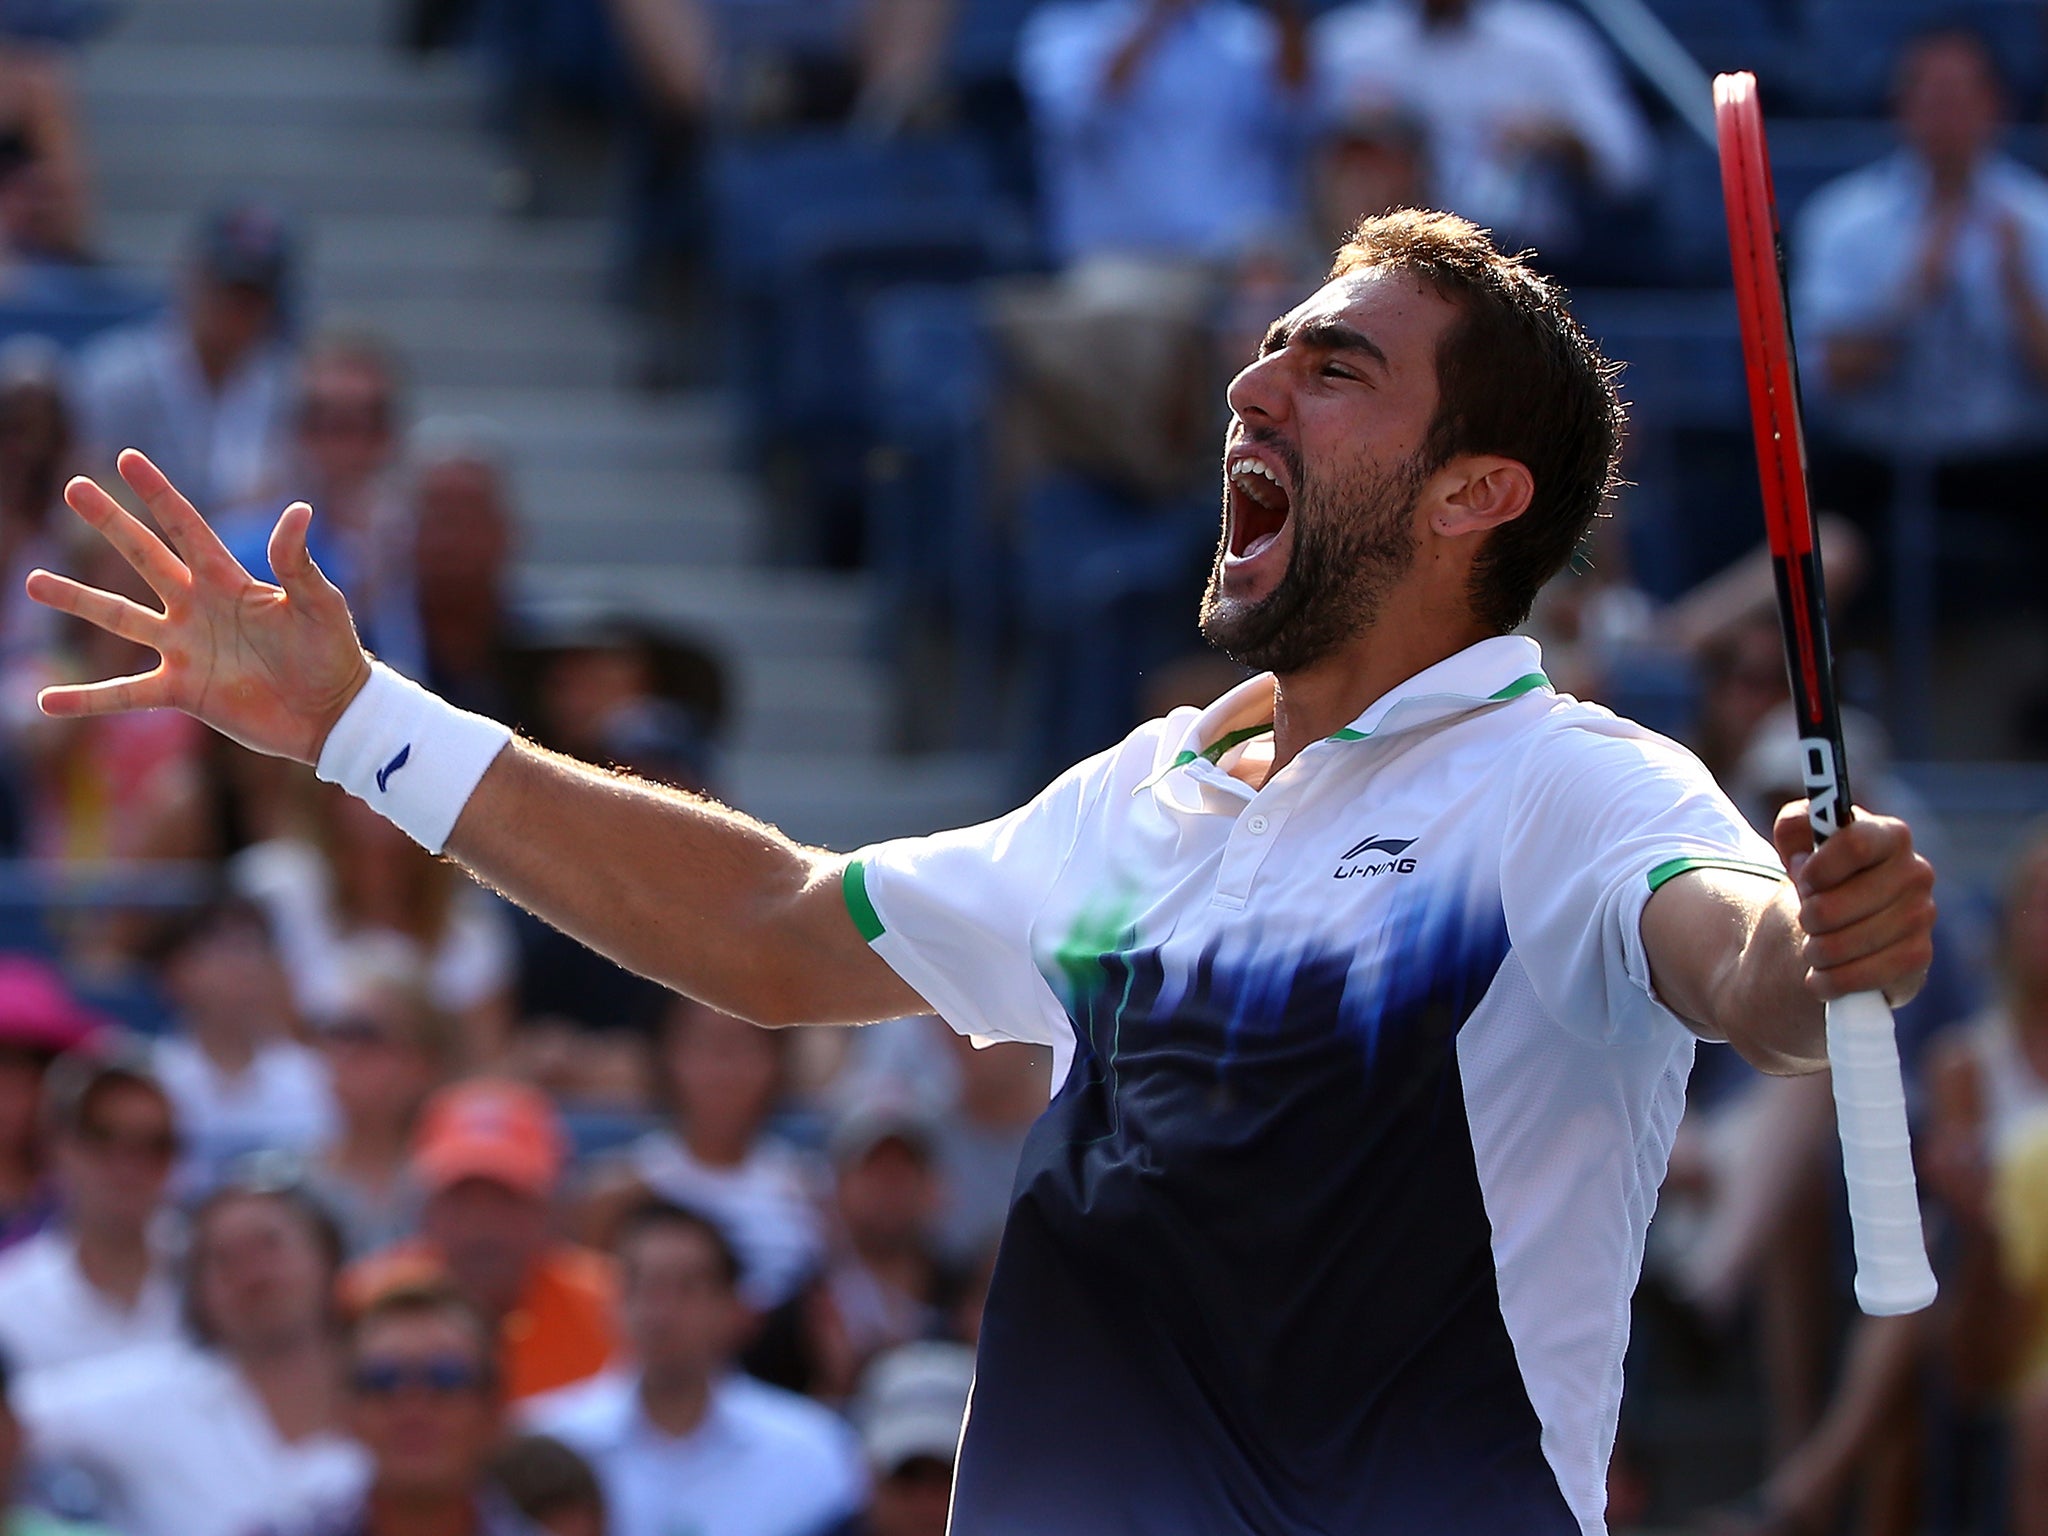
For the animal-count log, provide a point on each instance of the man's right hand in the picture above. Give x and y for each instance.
(272, 667)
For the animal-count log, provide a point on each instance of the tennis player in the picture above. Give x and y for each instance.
(1372, 987)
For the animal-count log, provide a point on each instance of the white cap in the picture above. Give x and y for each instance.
(913, 1402)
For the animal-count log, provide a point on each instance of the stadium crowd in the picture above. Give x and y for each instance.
(336, 1196)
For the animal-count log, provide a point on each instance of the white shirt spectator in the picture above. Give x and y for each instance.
(473, 960)
(767, 1208)
(1512, 65)
(51, 1315)
(141, 387)
(1962, 384)
(280, 1101)
(179, 1445)
(764, 1462)
(1191, 162)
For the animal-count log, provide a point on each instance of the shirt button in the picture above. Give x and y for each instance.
(1257, 825)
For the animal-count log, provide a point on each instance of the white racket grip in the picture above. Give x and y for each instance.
(1892, 1272)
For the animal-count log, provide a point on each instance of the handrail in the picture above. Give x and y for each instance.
(1641, 37)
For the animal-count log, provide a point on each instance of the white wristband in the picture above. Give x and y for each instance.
(412, 756)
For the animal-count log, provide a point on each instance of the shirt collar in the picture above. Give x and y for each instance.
(1493, 671)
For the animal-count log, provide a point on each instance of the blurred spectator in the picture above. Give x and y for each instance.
(1167, 128)
(424, 1403)
(103, 1278)
(764, 62)
(1530, 129)
(241, 1082)
(386, 1051)
(649, 702)
(1371, 159)
(35, 458)
(359, 882)
(1986, 1160)
(1742, 682)
(347, 422)
(40, 1019)
(885, 1283)
(722, 1079)
(240, 1428)
(128, 786)
(205, 391)
(463, 531)
(1003, 1091)
(45, 201)
(911, 1407)
(551, 1485)
(682, 1442)
(489, 1155)
(1921, 291)
(17, 1519)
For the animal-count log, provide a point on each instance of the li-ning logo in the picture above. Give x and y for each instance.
(384, 774)
(1381, 856)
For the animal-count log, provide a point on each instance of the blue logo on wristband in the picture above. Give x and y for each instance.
(396, 763)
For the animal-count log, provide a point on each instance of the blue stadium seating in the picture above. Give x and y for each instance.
(931, 540)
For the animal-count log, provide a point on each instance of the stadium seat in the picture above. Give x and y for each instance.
(932, 545)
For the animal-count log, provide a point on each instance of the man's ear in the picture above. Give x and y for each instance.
(1477, 492)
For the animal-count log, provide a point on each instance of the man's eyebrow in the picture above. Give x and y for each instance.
(1326, 335)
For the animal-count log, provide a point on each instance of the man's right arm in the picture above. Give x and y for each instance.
(679, 888)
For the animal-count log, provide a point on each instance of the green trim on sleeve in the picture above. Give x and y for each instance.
(853, 885)
(1671, 868)
(1520, 686)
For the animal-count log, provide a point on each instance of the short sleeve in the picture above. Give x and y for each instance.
(952, 913)
(1602, 814)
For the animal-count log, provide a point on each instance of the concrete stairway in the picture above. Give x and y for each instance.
(627, 501)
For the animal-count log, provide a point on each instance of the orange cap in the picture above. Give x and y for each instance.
(490, 1128)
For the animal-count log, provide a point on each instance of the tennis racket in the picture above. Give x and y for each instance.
(1892, 1273)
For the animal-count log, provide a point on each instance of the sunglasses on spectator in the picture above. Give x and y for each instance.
(327, 416)
(155, 1146)
(355, 1031)
(440, 1375)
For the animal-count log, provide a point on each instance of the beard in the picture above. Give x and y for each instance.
(1354, 538)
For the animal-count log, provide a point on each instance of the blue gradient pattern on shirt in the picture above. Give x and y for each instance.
(1247, 1282)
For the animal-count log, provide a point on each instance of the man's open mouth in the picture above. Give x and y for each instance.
(1259, 504)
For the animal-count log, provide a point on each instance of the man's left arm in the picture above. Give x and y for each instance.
(1754, 964)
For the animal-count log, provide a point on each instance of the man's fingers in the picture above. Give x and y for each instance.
(293, 564)
(1898, 972)
(1866, 843)
(179, 519)
(113, 613)
(1866, 893)
(151, 557)
(147, 690)
(1901, 922)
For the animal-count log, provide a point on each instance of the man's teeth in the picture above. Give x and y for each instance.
(1253, 467)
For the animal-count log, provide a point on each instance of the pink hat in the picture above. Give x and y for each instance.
(38, 1011)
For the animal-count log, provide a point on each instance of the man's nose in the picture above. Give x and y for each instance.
(1259, 391)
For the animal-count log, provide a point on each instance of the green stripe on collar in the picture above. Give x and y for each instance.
(1518, 687)
(1222, 744)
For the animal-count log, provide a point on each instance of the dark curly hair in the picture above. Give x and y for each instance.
(1516, 376)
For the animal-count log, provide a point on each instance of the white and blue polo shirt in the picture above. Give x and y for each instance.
(1331, 1227)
